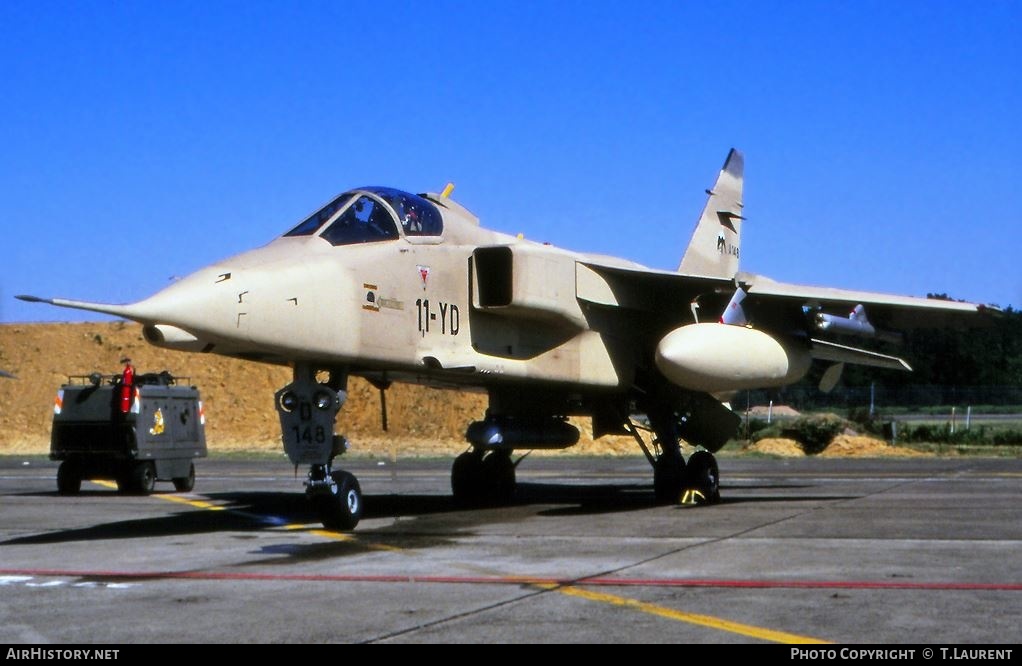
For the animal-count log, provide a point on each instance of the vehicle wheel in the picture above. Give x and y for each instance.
(704, 477)
(185, 484)
(340, 509)
(143, 478)
(668, 479)
(69, 478)
(498, 478)
(467, 478)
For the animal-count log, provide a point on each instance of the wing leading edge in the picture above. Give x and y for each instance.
(893, 311)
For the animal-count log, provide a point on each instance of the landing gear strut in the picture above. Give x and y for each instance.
(674, 482)
(669, 478)
(308, 412)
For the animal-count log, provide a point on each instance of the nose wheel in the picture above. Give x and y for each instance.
(336, 496)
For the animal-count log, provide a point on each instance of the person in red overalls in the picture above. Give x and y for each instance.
(127, 385)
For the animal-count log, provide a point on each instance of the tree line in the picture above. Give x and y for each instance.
(950, 366)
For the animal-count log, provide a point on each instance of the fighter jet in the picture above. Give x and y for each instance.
(398, 287)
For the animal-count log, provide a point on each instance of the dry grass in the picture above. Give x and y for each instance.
(778, 446)
(853, 446)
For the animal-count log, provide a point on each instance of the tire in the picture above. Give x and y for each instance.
(498, 478)
(704, 476)
(668, 479)
(467, 479)
(143, 478)
(185, 484)
(341, 509)
(69, 478)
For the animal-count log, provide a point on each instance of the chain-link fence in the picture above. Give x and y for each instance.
(879, 397)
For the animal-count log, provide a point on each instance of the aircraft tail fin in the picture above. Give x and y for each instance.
(714, 248)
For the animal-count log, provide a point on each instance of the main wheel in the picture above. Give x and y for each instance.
(185, 484)
(69, 478)
(668, 479)
(341, 509)
(703, 476)
(498, 478)
(143, 478)
(467, 478)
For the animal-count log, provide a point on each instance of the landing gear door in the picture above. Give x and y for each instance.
(308, 411)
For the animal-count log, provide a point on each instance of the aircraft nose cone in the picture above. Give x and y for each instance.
(195, 302)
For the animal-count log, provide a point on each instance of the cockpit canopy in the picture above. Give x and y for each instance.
(372, 214)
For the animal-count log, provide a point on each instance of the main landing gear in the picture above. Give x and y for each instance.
(674, 482)
(483, 478)
(484, 475)
(308, 410)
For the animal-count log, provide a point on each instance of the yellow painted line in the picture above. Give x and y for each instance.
(198, 504)
(320, 532)
(690, 618)
(311, 529)
(345, 536)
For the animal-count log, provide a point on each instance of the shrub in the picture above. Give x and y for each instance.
(1007, 436)
(766, 432)
(815, 432)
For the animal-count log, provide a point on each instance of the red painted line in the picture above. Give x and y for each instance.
(518, 580)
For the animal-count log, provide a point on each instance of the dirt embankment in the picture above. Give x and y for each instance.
(238, 395)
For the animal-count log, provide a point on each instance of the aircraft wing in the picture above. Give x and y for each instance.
(649, 289)
(886, 310)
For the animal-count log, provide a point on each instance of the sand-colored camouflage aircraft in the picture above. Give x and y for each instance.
(393, 286)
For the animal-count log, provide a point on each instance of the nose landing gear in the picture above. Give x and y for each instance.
(336, 496)
(308, 411)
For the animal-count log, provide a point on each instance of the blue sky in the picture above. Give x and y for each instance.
(143, 140)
